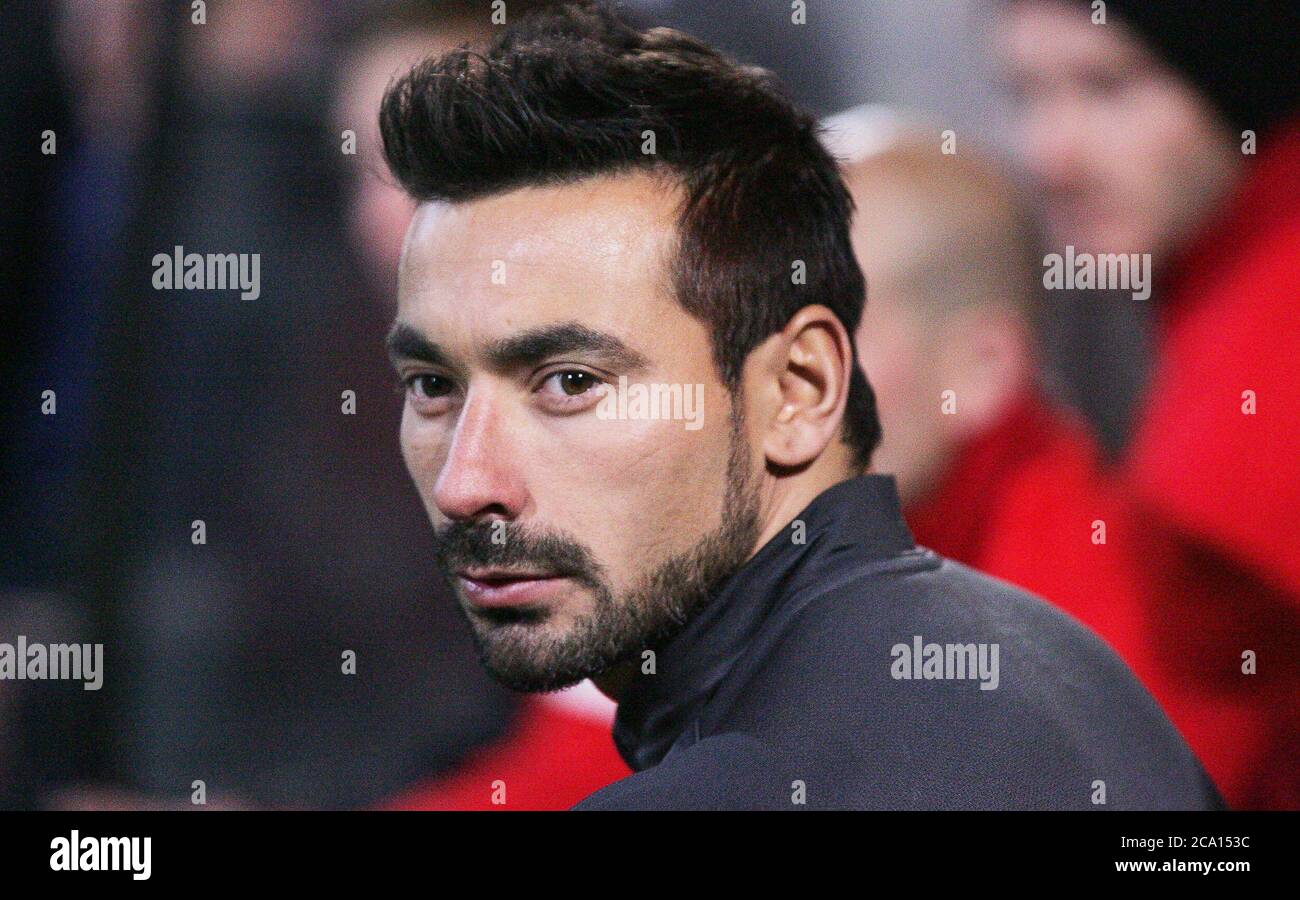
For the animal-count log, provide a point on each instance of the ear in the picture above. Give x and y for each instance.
(804, 372)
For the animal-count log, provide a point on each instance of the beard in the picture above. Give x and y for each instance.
(515, 645)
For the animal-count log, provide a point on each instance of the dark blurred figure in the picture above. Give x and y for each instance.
(44, 735)
(71, 89)
(1174, 129)
(33, 98)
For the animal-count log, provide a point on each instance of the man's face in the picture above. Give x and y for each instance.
(1130, 158)
(573, 539)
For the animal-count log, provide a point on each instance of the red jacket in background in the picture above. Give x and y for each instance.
(1214, 472)
(552, 757)
(1026, 501)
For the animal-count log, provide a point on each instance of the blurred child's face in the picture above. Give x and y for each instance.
(1128, 156)
(902, 352)
(378, 210)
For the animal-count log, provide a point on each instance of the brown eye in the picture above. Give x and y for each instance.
(568, 390)
(428, 386)
(574, 383)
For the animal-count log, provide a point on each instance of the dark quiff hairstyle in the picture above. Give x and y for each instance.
(569, 92)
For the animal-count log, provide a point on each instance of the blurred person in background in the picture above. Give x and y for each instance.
(558, 748)
(40, 721)
(1173, 129)
(74, 85)
(388, 42)
(44, 727)
(991, 472)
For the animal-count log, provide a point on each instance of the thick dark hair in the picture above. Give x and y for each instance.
(568, 93)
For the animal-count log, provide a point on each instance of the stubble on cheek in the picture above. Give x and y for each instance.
(666, 490)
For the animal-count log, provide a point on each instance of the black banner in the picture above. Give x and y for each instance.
(332, 849)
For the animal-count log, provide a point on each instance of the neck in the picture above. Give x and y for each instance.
(785, 495)
(614, 681)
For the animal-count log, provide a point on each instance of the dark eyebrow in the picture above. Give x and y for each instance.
(532, 347)
(405, 342)
(527, 348)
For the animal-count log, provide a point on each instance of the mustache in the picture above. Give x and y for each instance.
(463, 545)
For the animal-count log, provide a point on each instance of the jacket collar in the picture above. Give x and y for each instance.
(852, 522)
